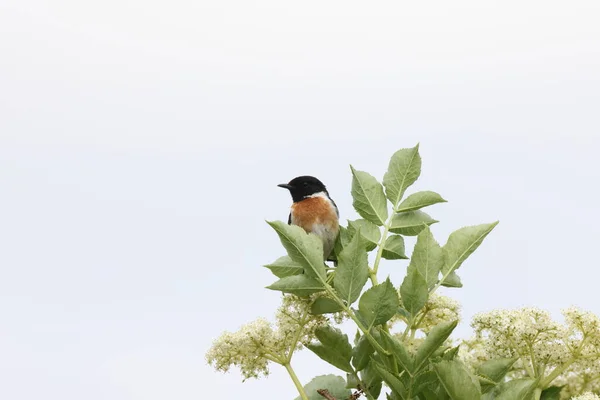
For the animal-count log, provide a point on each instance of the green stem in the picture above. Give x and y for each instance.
(296, 381)
(364, 330)
(296, 338)
(386, 230)
(559, 370)
(537, 394)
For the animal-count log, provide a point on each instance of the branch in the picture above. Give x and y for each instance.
(325, 393)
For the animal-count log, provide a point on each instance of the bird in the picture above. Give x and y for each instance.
(313, 210)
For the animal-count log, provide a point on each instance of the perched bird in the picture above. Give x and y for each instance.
(313, 210)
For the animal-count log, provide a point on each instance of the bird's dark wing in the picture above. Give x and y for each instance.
(290, 219)
(337, 211)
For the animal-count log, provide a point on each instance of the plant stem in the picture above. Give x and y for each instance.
(537, 394)
(296, 381)
(559, 370)
(386, 230)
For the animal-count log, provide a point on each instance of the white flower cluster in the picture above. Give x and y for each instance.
(256, 343)
(568, 354)
(579, 380)
(527, 333)
(587, 396)
(439, 309)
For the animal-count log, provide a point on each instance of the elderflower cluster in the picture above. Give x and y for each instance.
(258, 342)
(473, 353)
(579, 380)
(527, 332)
(587, 396)
(568, 352)
(439, 309)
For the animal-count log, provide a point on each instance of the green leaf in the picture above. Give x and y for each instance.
(333, 347)
(459, 383)
(427, 379)
(517, 389)
(551, 393)
(368, 230)
(413, 292)
(452, 280)
(396, 347)
(284, 266)
(342, 241)
(451, 354)
(371, 378)
(427, 257)
(336, 385)
(461, 244)
(368, 198)
(361, 353)
(378, 304)
(304, 249)
(436, 337)
(352, 271)
(404, 169)
(393, 248)
(492, 372)
(300, 285)
(496, 369)
(352, 381)
(392, 381)
(410, 223)
(324, 305)
(419, 200)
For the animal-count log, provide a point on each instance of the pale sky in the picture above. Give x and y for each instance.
(141, 143)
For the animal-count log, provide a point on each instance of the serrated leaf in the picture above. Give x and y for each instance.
(352, 271)
(284, 266)
(551, 393)
(459, 383)
(427, 257)
(378, 304)
(451, 354)
(517, 389)
(336, 385)
(436, 337)
(371, 378)
(410, 223)
(414, 292)
(342, 241)
(392, 381)
(333, 347)
(403, 170)
(361, 353)
(304, 249)
(427, 379)
(300, 285)
(368, 197)
(496, 369)
(368, 230)
(419, 200)
(461, 244)
(393, 248)
(452, 280)
(324, 305)
(399, 351)
(352, 381)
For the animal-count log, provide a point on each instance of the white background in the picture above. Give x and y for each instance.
(141, 142)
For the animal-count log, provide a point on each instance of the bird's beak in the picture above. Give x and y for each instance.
(285, 186)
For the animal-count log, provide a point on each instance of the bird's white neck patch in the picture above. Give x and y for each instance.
(318, 194)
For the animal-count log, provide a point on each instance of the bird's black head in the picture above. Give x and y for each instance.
(303, 186)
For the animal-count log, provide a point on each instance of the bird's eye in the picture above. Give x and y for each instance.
(305, 184)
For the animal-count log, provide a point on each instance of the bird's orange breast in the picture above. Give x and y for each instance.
(314, 211)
